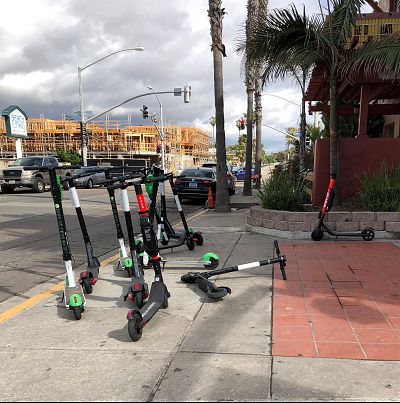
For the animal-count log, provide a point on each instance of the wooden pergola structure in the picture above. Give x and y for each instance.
(361, 95)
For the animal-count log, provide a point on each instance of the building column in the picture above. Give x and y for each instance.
(363, 115)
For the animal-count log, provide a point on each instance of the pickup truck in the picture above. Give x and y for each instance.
(15, 176)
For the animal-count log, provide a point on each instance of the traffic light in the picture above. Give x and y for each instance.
(158, 149)
(145, 112)
(187, 94)
(242, 125)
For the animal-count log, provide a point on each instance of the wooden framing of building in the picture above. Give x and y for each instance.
(111, 139)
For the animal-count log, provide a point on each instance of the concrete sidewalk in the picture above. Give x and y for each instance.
(196, 350)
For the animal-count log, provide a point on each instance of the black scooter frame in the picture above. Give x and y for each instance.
(87, 278)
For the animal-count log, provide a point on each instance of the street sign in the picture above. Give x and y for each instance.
(15, 119)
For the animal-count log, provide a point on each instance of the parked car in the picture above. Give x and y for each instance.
(96, 177)
(15, 176)
(230, 175)
(193, 183)
(240, 174)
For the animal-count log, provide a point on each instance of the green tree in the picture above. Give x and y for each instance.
(216, 14)
(286, 39)
(69, 156)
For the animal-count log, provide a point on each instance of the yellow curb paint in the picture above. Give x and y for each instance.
(16, 310)
(31, 302)
(109, 260)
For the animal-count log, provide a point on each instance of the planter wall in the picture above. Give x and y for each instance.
(298, 225)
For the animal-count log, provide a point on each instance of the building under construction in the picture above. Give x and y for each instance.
(112, 139)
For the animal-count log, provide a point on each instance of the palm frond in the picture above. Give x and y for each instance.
(342, 19)
(286, 39)
(378, 56)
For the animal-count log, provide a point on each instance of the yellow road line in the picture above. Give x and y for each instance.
(16, 310)
(42, 296)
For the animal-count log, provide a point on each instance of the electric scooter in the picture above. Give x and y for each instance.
(166, 231)
(139, 290)
(158, 297)
(215, 292)
(87, 278)
(317, 234)
(73, 293)
(209, 260)
(124, 262)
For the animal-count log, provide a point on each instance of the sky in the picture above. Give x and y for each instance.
(42, 43)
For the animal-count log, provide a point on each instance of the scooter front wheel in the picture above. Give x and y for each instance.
(190, 243)
(138, 299)
(368, 234)
(135, 333)
(317, 234)
(87, 285)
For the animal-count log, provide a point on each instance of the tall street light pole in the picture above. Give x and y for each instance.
(84, 137)
(162, 129)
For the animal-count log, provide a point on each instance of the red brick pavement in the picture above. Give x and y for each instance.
(341, 300)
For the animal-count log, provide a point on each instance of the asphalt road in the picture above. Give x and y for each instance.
(30, 251)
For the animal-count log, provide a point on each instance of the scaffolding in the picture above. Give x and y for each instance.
(110, 139)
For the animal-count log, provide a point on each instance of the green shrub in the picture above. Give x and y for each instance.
(68, 156)
(381, 192)
(280, 192)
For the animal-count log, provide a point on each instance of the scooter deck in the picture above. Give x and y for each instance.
(158, 294)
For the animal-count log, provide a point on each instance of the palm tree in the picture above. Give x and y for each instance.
(216, 14)
(250, 67)
(261, 10)
(286, 39)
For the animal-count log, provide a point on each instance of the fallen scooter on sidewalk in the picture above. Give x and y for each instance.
(367, 233)
(215, 292)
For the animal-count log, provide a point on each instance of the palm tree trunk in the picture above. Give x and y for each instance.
(334, 162)
(303, 124)
(216, 14)
(249, 144)
(258, 113)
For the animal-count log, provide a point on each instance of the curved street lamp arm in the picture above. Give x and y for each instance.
(111, 54)
(277, 96)
(124, 102)
(281, 131)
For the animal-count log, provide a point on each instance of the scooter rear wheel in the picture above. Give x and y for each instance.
(368, 234)
(198, 239)
(135, 333)
(77, 311)
(317, 234)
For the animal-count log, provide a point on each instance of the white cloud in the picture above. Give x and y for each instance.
(43, 42)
